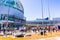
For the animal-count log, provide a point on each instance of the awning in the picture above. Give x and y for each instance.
(5, 21)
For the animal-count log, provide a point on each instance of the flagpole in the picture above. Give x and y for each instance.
(42, 10)
(49, 12)
(49, 18)
(42, 17)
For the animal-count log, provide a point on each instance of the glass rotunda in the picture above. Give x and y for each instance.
(11, 14)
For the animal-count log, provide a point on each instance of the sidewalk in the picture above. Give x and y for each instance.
(54, 36)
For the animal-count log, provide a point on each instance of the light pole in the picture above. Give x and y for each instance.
(7, 19)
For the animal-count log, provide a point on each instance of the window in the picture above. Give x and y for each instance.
(1, 1)
(5, 17)
(11, 2)
(0, 16)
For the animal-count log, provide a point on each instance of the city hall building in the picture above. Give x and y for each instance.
(11, 14)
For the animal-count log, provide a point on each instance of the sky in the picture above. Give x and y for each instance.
(33, 9)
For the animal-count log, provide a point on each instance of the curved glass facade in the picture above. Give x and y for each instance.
(12, 3)
(11, 11)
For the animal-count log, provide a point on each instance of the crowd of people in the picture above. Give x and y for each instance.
(41, 30)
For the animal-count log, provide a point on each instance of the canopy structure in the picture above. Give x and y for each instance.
(5, 21)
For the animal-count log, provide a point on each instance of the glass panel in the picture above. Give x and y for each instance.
(0, 16)
(9, 2)
(1, 1)
(13, 3)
